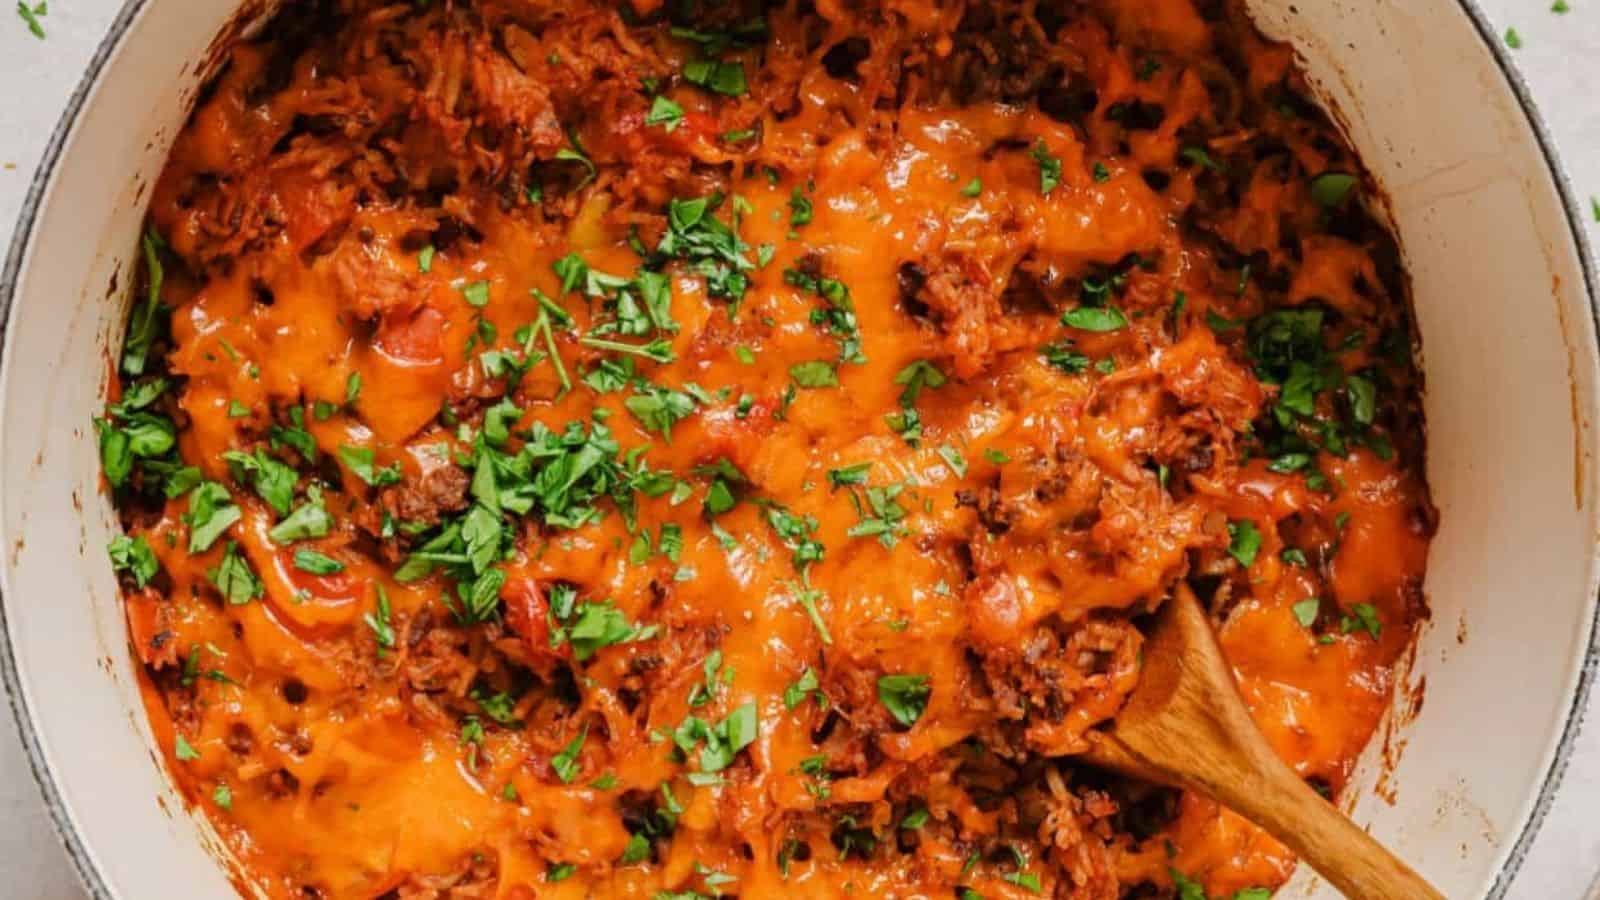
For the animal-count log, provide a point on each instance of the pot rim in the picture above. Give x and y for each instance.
(83, 860)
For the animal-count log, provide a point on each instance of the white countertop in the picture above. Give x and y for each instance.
(1560, 57)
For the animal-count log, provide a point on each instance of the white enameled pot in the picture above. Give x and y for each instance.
(1503, 295)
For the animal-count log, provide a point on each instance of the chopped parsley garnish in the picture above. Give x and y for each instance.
(274, 481)
(800, 209)
(309, 520)
(711, 248)
(361, 462)
(726, 78)
(721, 742)
(1094, 318)
(569, 154)
(1244, 541)
(30, 15)
(913, 378)
(881, 516)
(904, 696)
(476, 294)
(814, 374)
(664, 112)
(803, 687)
(565, 763)
(953, 458)
(839, 317)
(1331, 189)
(145, 325)
(234, 578)
(1198, 156)
(1305, 611)
(657, 350)
(796, 533)
(316, 563)
(134, 556)
(849, 475)
(807, 597)
(138, 439)
(295, 435)
(377, 620)
(594, 626)
(1049, 167)
(1064, 356)
(1364, 617)
(211, 512)
(659, 408)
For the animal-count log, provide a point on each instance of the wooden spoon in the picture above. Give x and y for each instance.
(1186, 725)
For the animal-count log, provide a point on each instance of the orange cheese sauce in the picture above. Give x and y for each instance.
(913, 545)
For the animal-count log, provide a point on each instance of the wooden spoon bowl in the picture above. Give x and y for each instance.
(1186, 725)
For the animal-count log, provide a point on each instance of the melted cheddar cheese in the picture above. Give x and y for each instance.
(697, 450)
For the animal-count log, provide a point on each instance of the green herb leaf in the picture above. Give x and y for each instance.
(211, 512)
(1244, 541)
(796, 694)
(317, 563)
(1305, 611)
(953, 458)
(1364, 618)
(1331, 189)
(1094, 318)
(361, 462)
(273, 481)
(914, 819)
(659, 408)
(1049, 167)
(814, 374)
(30, 16)
(476, 294)
(1064, 356)
(144, 325)
(134, 556)
(848, 475)
(800, 209)
(309, 520)
(377, 620)
(234, 578)
(665, 113)
(725, 78)
(1363, 396)
(905, 696)
(565, 763)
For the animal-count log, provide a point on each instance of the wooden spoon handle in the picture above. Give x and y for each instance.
(1320, 834)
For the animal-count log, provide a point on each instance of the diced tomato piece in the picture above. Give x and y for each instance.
(527, 614)
(412, 336)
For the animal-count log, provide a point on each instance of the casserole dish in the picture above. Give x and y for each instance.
(1460, 784)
